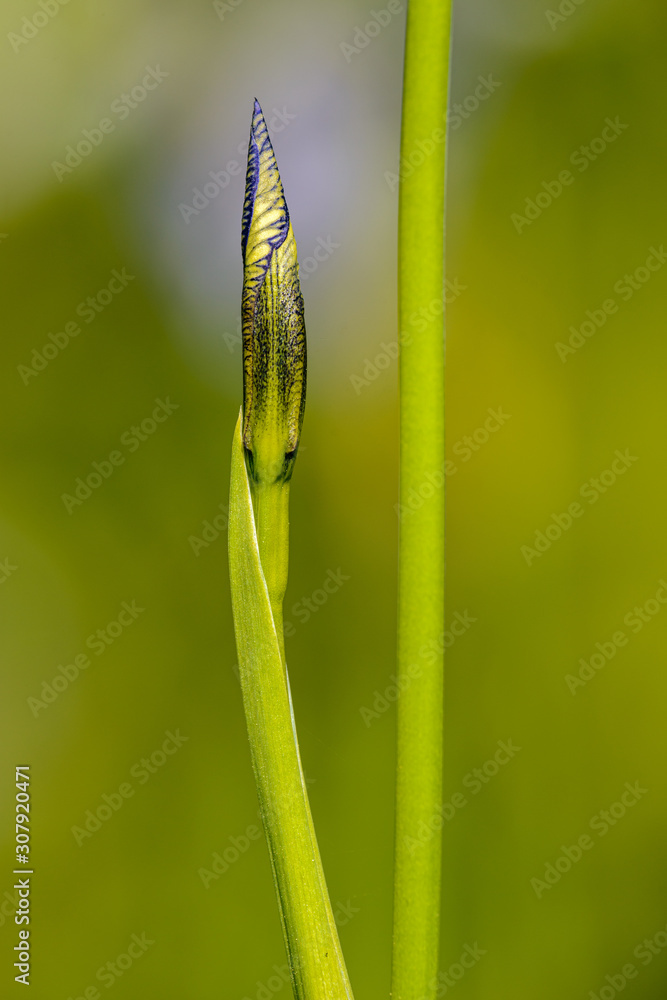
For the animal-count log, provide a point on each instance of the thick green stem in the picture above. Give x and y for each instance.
(421, 545)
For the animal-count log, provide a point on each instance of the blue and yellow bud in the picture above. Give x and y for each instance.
(274, 332)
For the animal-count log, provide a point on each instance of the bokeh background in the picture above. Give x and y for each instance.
(154, 531)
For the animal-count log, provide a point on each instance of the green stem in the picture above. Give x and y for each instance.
(421, 545)
(311, 938)
(271, 507)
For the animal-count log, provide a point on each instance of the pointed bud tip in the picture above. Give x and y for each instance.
(259, 131)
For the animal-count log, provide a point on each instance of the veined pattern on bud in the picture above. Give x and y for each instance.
(273, 326)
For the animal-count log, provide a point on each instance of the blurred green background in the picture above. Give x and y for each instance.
(152, 530)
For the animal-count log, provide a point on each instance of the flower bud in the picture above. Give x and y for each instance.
(273, 326)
